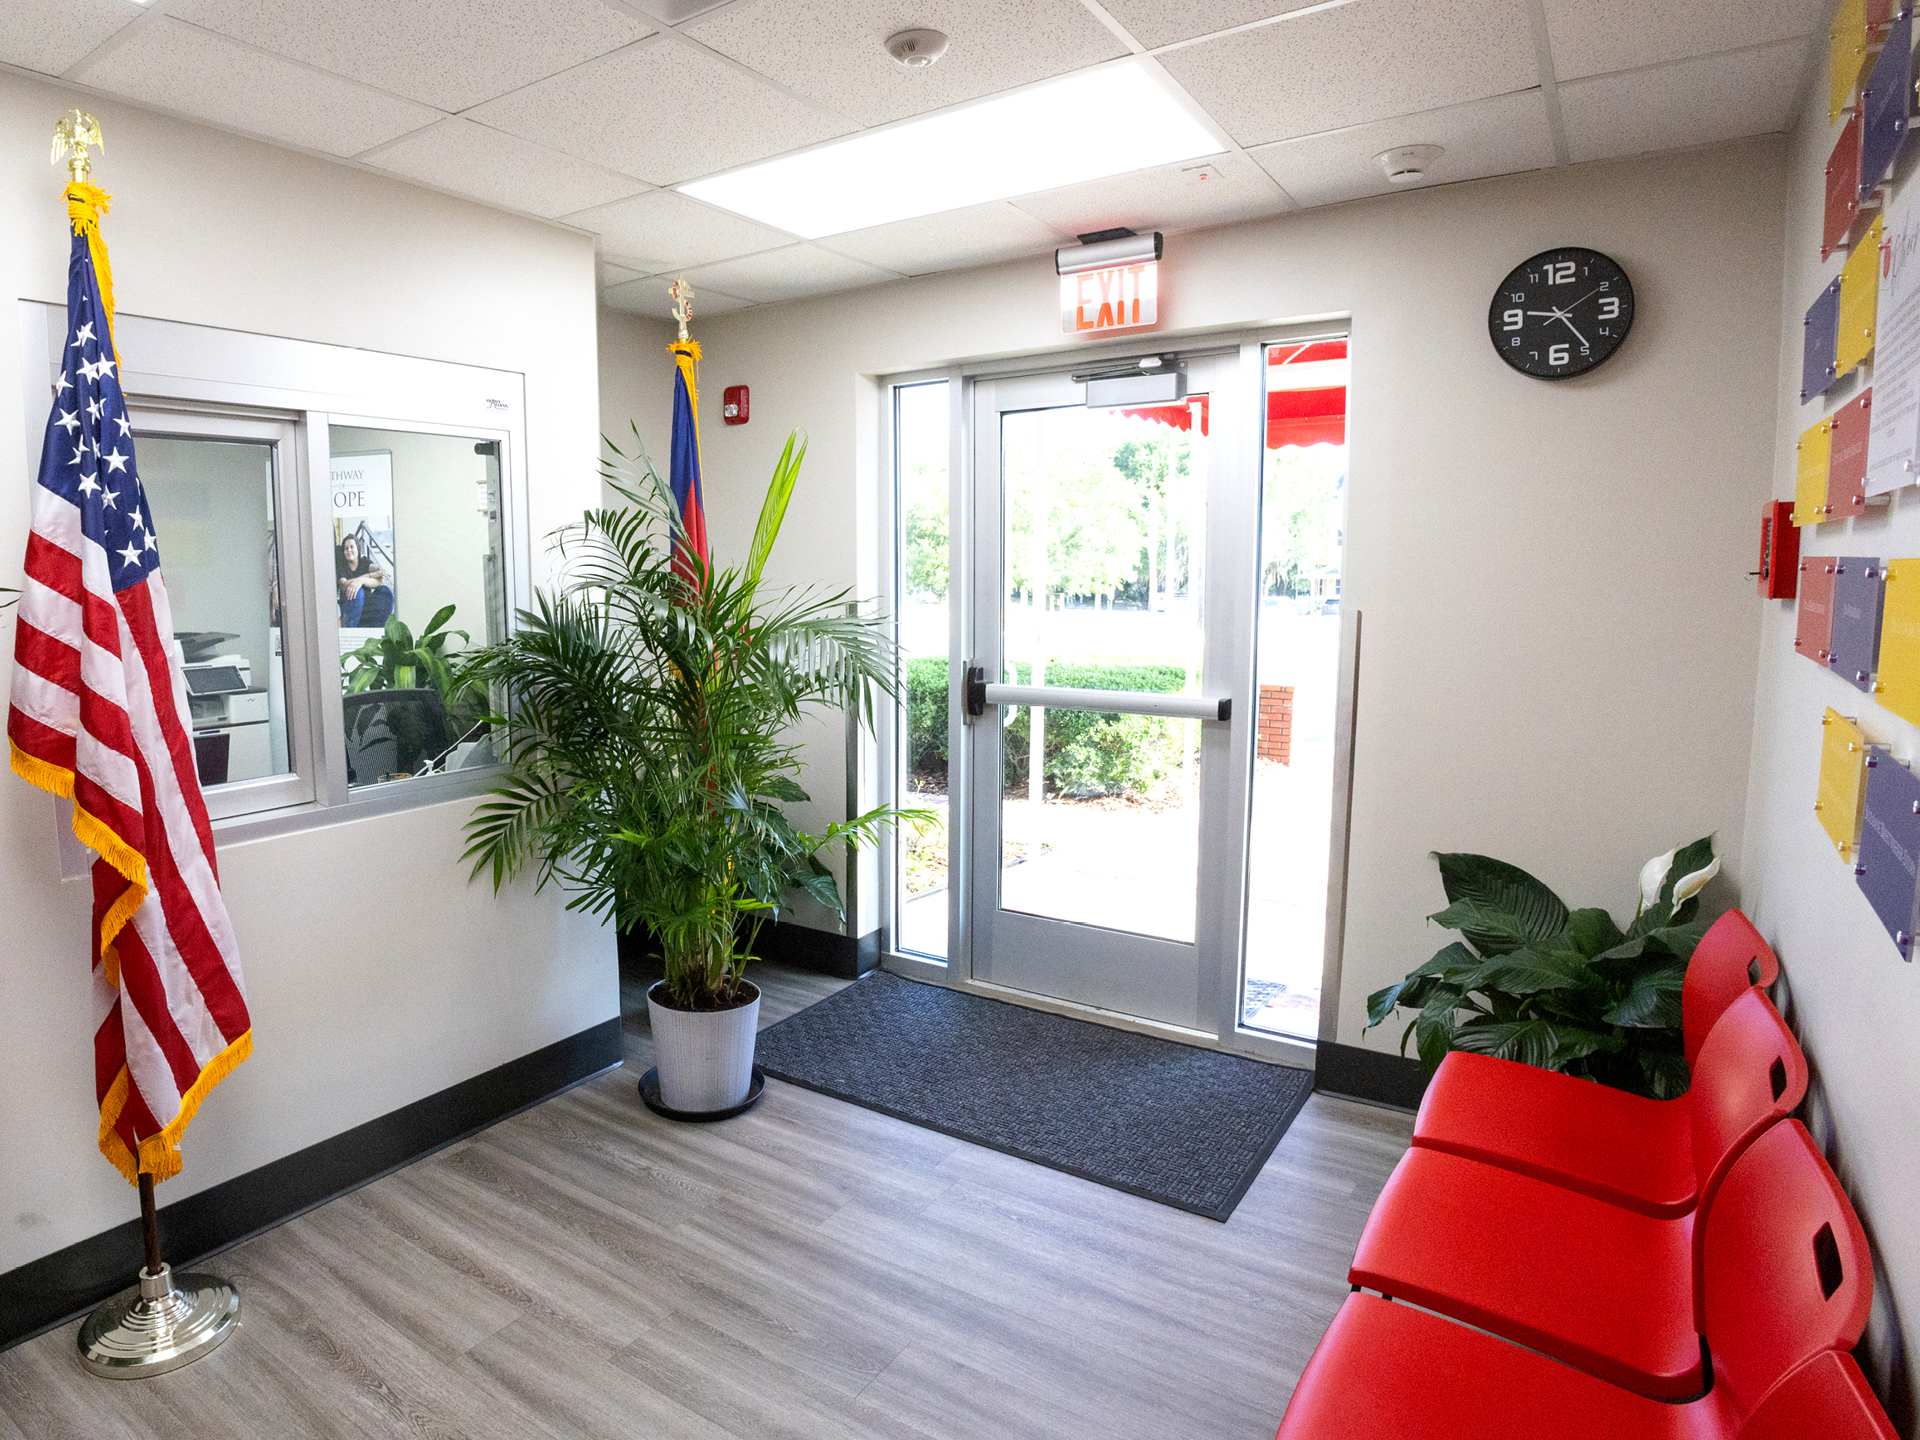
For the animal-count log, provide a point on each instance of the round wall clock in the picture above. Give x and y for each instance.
(1561, 313)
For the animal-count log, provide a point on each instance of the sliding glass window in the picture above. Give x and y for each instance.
(418, 577)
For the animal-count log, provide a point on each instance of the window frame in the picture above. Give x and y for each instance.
(196, 380)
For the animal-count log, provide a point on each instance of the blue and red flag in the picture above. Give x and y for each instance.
(684, 464)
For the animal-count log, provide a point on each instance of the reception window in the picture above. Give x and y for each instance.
(338, 531)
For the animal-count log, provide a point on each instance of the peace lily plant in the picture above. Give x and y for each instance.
(648, 741)
(1566, 990)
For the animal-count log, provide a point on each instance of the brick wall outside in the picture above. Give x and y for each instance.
(1274, 740)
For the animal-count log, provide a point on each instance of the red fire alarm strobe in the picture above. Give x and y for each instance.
(733, 405)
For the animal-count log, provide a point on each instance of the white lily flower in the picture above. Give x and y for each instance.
(1653, 875)
(1692, 885)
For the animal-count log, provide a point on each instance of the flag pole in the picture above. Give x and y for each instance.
(162, 1323)
(166, 1320)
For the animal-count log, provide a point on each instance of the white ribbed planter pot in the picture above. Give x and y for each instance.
(705, 1057)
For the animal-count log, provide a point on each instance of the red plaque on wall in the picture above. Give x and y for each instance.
(1843, 186)
(1847, 465)
(1779, 572)
(1813, 633)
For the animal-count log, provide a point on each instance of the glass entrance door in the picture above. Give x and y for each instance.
(1108, 693)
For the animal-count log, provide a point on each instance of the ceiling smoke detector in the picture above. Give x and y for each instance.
(917, 49)
(1406, 164)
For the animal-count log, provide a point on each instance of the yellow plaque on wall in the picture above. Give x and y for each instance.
(1859, 298)
(1899, 670)
(1843, 781)
(1846, 55)
(1813, 452)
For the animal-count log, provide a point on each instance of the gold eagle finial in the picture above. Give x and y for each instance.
(682, 294)
(75, 131)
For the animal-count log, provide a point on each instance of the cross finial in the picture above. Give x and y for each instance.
(75, 131)
(682, 294)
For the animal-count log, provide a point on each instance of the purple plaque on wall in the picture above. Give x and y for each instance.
(1858, 585)
(1817, 353)
(1886, 104)
(1885, 865)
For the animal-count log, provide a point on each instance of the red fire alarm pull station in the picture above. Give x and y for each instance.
(733, 404)
(1779, 572)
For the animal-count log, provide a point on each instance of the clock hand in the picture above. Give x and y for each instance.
(1576, 334)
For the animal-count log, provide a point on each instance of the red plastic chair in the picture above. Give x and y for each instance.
(1781, 1306)
(1730, 957)
(1653, 1156)
(1611, 1291)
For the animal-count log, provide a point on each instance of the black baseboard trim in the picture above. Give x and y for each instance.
(56, 1288)
(1370, 1075)
(782, 942)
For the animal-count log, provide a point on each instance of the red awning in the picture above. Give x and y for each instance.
(1307, 417)
(1307, 354)
(1179, 415)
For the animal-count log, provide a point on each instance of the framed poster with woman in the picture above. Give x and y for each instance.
(363, 538)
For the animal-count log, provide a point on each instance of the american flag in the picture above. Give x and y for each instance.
(99, 714)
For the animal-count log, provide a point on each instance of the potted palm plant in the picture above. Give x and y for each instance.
(652, 697)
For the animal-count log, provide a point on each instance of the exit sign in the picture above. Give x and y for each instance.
(1120, 297)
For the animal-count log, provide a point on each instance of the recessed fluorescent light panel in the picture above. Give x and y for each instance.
(1083, 126)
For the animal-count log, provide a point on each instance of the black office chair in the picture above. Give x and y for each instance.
(391, 734)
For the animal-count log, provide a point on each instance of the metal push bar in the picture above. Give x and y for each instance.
(980, 694)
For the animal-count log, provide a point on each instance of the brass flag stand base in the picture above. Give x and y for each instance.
(164, 1322)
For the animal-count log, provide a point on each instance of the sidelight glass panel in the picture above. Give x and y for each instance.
(924, 587)
(419, 574)
(1302, 544)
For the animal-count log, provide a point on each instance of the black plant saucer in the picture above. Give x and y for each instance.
(650, 1094)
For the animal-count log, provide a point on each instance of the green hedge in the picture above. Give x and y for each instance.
(1087, 752)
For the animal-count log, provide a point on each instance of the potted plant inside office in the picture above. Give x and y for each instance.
(1566, 990)
(648, 745)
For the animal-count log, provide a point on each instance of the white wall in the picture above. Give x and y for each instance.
(1560, 637)
(636, 384)
(1855, 1003)
(377, 974)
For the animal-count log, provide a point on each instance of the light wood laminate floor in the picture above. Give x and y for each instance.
(810, 1269)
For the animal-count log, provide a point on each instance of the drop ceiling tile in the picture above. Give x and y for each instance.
(977, 235)
(1487, 137)
(49, 38)
(834, 51)
(665, 111)
(502, 169)
(1162, 22)
(1365, 61)
(664, 230)
(1173, 197)
(446, 53)
(191, 71)
(1591, 37)
(612, 274)
(787, 274)
(650, 297)
(1691, 102)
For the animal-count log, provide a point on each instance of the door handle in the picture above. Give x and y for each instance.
(1126, 702)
